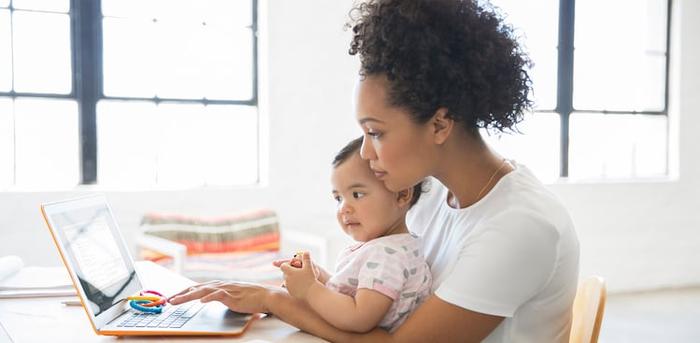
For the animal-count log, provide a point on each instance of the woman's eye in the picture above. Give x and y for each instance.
(374, 134)
(357, 195)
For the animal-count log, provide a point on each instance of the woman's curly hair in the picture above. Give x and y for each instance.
(455, 54)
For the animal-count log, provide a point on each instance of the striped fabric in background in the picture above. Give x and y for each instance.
(236, 247)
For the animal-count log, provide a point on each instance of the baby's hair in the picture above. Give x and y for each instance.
(354, 147)
(344, 153)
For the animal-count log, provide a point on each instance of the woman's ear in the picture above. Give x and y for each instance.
(441, 125)
(403, 197)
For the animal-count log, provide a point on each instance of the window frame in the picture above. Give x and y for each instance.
(86, 40)
(565, 78)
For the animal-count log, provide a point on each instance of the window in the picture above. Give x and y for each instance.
(600, 81)
(128, 93)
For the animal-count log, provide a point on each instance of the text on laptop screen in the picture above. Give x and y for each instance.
(90, 238)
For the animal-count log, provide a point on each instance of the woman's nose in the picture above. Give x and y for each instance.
(367, 150)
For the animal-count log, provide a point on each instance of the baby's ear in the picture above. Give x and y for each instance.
(403, 197)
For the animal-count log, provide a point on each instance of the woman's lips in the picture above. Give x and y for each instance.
(379, 174)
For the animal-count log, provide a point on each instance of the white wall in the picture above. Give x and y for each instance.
(638, 235)
(642, 235)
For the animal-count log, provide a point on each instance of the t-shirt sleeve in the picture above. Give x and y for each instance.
(383, 270)
(503, 266)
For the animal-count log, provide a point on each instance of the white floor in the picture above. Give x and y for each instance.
(662, 316)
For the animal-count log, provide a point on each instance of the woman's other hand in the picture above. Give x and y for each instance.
(238, 296)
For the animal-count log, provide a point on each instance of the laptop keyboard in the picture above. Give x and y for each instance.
(171, 317)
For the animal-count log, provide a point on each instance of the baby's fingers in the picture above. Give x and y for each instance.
(287, 268)
(278, 263)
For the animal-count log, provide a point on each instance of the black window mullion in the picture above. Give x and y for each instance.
(255, 81)
(255, 51)
(86, 38)
(565, 77)
(203, 101)
(669, 9)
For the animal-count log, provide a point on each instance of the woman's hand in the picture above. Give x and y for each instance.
(238, 296)
(299, 280)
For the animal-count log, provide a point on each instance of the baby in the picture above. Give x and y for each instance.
(383, 278)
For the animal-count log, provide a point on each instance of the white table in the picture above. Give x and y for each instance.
(47, 320)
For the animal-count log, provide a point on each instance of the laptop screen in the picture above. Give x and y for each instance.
(95, 251)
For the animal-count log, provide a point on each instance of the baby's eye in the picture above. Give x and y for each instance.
(337, 198)
(357, 195)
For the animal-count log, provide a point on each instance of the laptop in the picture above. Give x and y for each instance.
(103, 274)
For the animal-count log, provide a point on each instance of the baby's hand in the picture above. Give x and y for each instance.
(298, 280)
(295, 261)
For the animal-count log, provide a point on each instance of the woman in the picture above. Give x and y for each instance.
(502, 249)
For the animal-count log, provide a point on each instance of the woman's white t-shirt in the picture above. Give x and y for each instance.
(512, 254)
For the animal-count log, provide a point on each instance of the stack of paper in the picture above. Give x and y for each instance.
(9, 265)
(17, 281)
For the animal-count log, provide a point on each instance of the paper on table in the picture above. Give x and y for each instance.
(32, 282)
(9, 265)
(4, 336)
(37, 279)
(33, 293)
